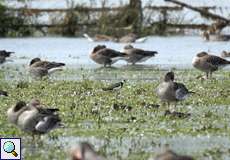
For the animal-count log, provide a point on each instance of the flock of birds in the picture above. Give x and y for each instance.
(35, 118)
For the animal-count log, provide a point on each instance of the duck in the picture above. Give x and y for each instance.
(170, 155)
(136, 55)
(3, 93)
(3, 55)
(225, 54)
(32, 118)
(208, 63)
(84, 151)
(39, 68)
(115, 86)
(106, 56)
(170, 91)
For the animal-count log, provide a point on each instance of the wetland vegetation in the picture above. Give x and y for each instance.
(133, 115)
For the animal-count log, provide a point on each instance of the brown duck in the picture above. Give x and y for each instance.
(106, 56)
(39, 68)
(84, 151)
(136, 55)
(170, 155)
(208, 63)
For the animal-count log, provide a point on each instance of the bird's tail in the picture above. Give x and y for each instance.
(151, 53)
(51, 71)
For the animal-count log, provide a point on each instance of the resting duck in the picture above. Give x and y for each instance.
(208, 63)
(39, 68)
(136, 55)
(106, 56)
(84, 151)
(3, 55)
(33, 118)
(169, 91)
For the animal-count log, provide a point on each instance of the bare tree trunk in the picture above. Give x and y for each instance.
(136, 6)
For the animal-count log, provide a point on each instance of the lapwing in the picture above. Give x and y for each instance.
(115, 86)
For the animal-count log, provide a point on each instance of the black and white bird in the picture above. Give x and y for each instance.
(136, 55)
(3, 55)
(106, 56)
(33, 118)
(84, 151)
(169, 91)
(208, 63)
(39, 68)
(3, 93)
(115, 86)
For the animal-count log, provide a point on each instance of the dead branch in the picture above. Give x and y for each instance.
(203, 12)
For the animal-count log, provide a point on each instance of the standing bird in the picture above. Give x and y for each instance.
(136, 55)
(106, 56)
(34, 119)
(3, 55)
(170, 155)
(84, 151)
(3, 93)
(115, 86)
(208, 63)
(169, 91)
(39, 68)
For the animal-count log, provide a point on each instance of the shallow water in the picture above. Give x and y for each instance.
(175, 51)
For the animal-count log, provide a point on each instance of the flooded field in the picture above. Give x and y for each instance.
(129, 124)
(175, 51)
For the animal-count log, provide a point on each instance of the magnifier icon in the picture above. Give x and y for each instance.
(9, 147)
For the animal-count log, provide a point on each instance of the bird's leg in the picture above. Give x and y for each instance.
(206, 75)
(168, 106)
(210, 75)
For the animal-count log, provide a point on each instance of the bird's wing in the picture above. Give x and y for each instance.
(181, 92)
(112, 86)
(48, 65)
(47, 111)
(143, 53)
(111, 53)
(47, 123)
(216, 61)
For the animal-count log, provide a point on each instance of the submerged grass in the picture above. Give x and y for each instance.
(130, 116)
